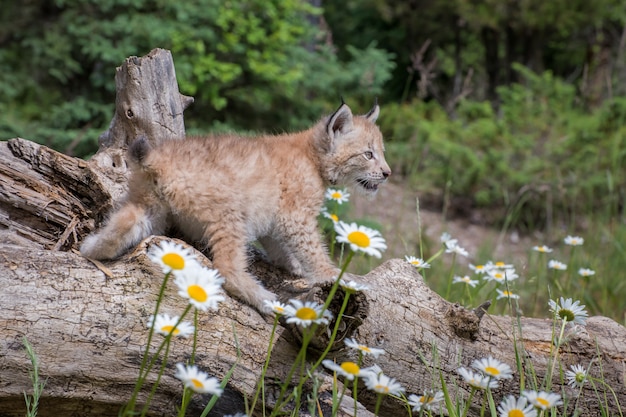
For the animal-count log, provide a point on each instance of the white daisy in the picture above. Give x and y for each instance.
(352, 343)
(330, 216)
(164, 324)
(350, 370)
(478, 380)
(382, 384)
(501, 275)
(586, 272)
(465, 280)
(493, 368)
(307, 313)
(479, 269)
(445, 236)
(417, 262)
(197, 380)
(426, 401)
(510, 407)
(172, 257)
(574, 240)
(576, 376)
(275, 307)
(201, 286)
(352, 286)
(506, 294)
(499, 265)
(452, 246)
(543, 400)
(360, 238)
(340, 196)
(571, 311)
(553, 264)
(542, 249)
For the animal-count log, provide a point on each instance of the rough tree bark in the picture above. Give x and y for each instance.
(87, 321)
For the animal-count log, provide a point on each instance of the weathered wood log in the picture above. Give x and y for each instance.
(87, 321)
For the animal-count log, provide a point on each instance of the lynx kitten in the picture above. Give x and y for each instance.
(228, 191)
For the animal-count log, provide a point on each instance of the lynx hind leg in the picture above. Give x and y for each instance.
(229, 258)
(278, 256)
(305, 245)
(125, 229)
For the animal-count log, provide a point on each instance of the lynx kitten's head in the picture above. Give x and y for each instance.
(354, 150)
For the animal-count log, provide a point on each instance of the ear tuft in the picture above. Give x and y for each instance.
(372, 115)
(340, 122)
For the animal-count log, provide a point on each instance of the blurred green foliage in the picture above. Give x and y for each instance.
(250, 64)
(544, 158)
(514, 107)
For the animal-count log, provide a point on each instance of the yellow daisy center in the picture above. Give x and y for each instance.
(196, 383)
(500, 264)
(498, 275)
(492, 371)
(381, 388)
(543, 402)
(516, 413)
(306, 313)
(336, 195)
(173, 260)
(168, 329)
(197, 293)
(480, 267)
(334, 218)
(359, 238)
(506, 293)
(365, 349)
(350, 368)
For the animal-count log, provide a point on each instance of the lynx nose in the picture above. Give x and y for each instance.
(386, 172)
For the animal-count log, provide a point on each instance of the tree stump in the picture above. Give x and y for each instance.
(87, 321)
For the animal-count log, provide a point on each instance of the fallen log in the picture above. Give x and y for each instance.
(87, 321)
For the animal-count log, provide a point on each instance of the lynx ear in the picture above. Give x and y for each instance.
(340, 122)
(372, 115)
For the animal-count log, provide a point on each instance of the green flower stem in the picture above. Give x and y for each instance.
(572, 265)
(334, 333)
(607, 386)
(143, 372)
(306, 338)
(333, 289)
(331, 340)
(32, 401)
(166, 343)
(435, 256)
(492, 404)
(379, 400)
(301, 358)
(192, 360)
(450, 275)
(556, 355)
(261, 387)
(185, 402)
(469, 402)
(355, 386)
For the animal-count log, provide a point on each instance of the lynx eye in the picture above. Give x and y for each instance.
(368, 155)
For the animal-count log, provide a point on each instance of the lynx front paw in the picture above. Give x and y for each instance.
(264, 298)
